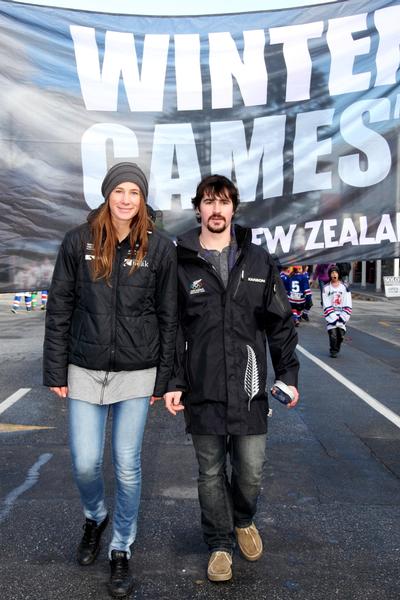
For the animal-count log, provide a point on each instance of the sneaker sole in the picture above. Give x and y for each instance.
(120, 595)
(220, 577)
(252, 558)
(91, 561)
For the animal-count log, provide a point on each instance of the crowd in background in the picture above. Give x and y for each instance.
(335, 297)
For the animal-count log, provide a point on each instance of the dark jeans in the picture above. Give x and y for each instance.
(226, 504)
(336, 336)
(321, 285)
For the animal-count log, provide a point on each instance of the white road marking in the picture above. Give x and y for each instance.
(373, 403)
(13, 398)
(31, 479)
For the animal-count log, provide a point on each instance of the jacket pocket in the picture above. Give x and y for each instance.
(151, 337)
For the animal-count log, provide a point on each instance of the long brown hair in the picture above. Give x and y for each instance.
(105, 240)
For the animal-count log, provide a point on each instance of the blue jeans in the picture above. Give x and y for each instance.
(226, 504)
(87, 436)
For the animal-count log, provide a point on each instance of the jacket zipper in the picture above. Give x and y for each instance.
(223, 304)
(103, 387)
(211, 268)
(241, 278)
(114, 300)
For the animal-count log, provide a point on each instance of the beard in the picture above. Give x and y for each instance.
(217, 228)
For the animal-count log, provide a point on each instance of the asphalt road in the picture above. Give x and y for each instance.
(329, 513)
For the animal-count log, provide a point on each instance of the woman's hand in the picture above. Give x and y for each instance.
(154, 399)
(173, 402)
(61, 392)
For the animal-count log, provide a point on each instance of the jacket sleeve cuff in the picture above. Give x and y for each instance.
(176, 385)
(288, 378)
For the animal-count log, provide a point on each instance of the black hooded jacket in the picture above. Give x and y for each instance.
(127, 325)
(221, 357)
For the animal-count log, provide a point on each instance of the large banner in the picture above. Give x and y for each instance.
(300, 107)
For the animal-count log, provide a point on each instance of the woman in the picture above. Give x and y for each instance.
(321, 274)
(109, 347)
(337, 310)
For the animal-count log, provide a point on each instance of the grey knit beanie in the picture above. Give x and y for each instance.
(121, 173)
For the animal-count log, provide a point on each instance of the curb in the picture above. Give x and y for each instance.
(367, 296)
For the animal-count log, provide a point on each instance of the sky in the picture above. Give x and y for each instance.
(174, 7)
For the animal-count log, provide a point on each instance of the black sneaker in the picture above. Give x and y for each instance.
(305, 317)
(89, 546)
(121, 580)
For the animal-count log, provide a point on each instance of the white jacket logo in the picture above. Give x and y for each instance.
(251, 377)
(89, 251)
(128, 262)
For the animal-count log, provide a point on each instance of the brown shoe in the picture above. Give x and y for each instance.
(249, 541)
(219, 566)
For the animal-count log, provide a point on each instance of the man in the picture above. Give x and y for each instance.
(285, 273)
(321, 275)
(344, 272)
(230, 298)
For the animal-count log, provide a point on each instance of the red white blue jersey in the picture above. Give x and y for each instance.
(337, 305)
(286, 282)
(300, 292)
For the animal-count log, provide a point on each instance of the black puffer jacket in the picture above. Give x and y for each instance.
(221, 351)
(125, 326)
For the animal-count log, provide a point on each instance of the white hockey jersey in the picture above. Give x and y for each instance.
(337, 305)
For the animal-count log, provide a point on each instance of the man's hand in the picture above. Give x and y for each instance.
(61, 392)
(295, 400)
(173, 402)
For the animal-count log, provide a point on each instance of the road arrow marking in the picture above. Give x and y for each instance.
(30, 480)
(384, 323)
(10, 427)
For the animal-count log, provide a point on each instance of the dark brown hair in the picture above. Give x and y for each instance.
(216, 185)
(105, 240)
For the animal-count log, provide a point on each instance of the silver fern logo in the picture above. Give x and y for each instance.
(197, 287)
(251, 377)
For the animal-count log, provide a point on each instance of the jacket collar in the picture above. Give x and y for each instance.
(188, 242)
